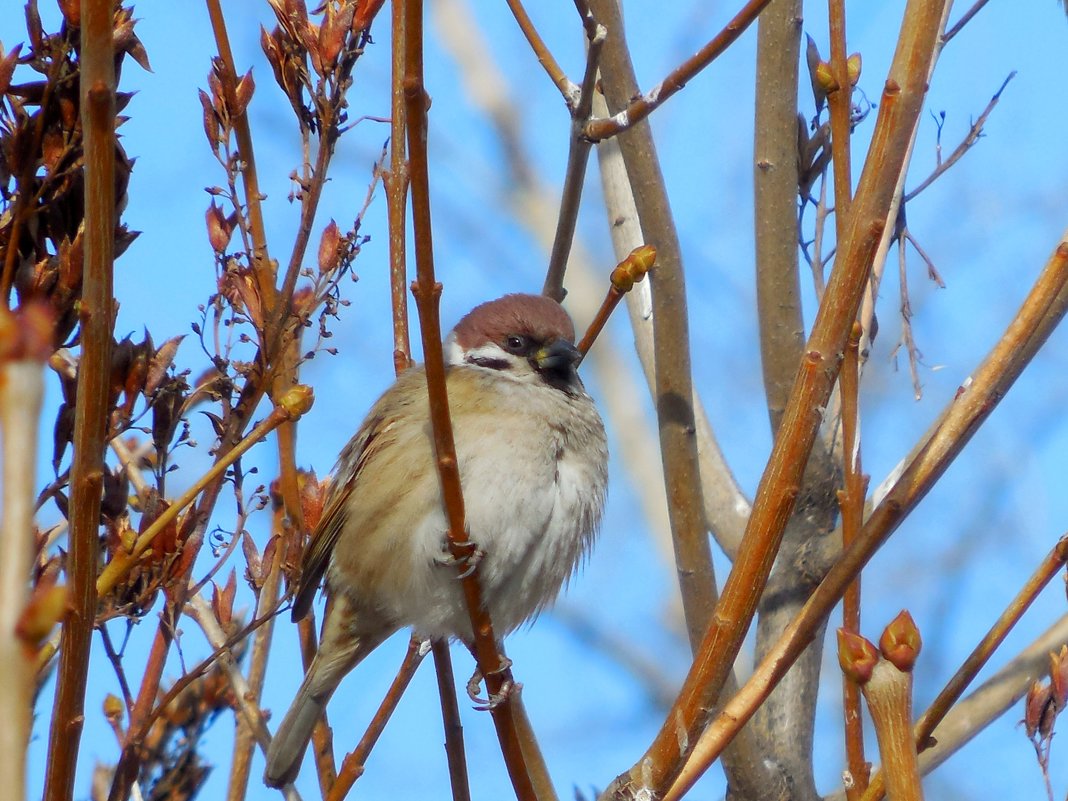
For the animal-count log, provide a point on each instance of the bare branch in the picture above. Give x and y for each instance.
(643, 105)
(97, 101)
(1040, 313)
(674, 387)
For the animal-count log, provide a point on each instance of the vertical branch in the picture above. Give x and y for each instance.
(784, 729)
(777, 492)
(851, 499)
(260, 260)
(97, 103)
(450, 717)
(840, 100)
(427, 292)
(245, 734)
(21, 389)
(671, 340)
(396, 182)
(782, 334)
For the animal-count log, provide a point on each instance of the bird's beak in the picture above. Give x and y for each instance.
(557, 355)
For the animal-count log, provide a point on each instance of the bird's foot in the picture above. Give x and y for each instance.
(492, 700)
(464, 556)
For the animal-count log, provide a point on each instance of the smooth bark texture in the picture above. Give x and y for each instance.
(674, 389)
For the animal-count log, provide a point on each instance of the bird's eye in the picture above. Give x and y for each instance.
(515, 343)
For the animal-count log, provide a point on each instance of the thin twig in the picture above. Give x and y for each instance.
(545, 57)
(626, 274)
(964, 20)
(97, 101)
(974, 133)
(840, 101)
(644, 105)
(395, 181)
(115, 658)
(293, 405)
(851, 498)
(578, 158)
(871, 292)
(260, 260)
(353, 765)
(905, 308)
(450, 718)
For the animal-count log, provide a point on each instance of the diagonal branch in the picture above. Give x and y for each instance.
(543, 54)
(643, 105)
(578, 157)
(1050, 567)
(979, 395)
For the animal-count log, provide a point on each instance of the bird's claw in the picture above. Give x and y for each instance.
(468, 557)
(493, 700)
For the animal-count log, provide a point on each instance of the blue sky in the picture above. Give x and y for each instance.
(989, 224)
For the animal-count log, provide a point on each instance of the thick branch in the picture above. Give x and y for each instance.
(902, 100)
(21, 390)
(674, 388)
(1043, 309)
(91, 409)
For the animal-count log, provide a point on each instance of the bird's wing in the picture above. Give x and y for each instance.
(372, 436)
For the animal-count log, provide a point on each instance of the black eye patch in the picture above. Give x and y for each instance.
(489, 362)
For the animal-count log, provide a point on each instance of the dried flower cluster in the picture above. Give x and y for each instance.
(249, 330)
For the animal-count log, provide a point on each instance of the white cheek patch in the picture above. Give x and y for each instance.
(452, 351)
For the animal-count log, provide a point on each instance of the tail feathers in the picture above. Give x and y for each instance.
(340, 649)
(291, 740)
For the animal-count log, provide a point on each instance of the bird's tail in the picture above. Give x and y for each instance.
(339, 651)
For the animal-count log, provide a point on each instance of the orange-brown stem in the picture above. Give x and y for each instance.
(889, 697)
(852, 503)
(427, 293)
(91, 409)
(352, 766)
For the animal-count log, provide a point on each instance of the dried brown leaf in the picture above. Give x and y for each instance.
(328, 248)
(222, 600)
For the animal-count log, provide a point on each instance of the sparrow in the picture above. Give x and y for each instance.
(533, 462)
